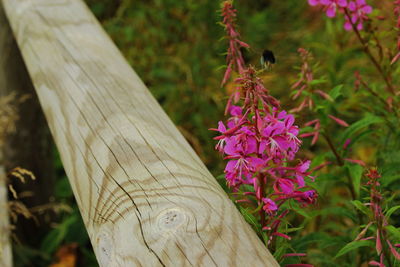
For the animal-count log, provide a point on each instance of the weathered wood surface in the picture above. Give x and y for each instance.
(144, 195)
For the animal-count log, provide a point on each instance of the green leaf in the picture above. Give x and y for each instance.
(300, 211)
(281, 250)
(222, 182)
(339, 211)
(290, 230)
(393, 231)
(369, 119)
(56, 236)
(336, 91)
(361, 207)
(63, 188)
(356, 172)
(391, 211)
(249, 217)
(354, 245)
(317, 81)
(388, 179)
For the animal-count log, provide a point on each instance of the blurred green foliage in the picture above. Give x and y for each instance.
(175, 48)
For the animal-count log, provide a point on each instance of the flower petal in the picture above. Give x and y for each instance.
(331, 11)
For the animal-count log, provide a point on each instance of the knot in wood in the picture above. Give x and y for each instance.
(104, 248)
(171, 219)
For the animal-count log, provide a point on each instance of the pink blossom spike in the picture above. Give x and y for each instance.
(375, 263)
(339, 121)
(393, 250)
(368, 238)
(395, 59)
(316, 168)
(362, 233)
(315, 138)
(311, 122)
(227, 74)
(356, 161)
(324, 95)
(260, 140)
(305, 135)
(346, 143)
(282, 235)
(378, 243)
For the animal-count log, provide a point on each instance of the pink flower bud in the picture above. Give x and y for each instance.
(339, 121)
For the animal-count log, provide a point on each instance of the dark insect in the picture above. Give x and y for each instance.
(267, 58)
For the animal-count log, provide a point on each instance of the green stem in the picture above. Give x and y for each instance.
(369, 54)
(341, 163)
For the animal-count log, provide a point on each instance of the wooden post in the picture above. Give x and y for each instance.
(5, 244)
(144, 195)
(30, 145)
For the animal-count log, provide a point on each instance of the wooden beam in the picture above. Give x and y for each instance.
(144, 195)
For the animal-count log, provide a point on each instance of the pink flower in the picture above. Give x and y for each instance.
(307, 197)
(269, 206)
(285, 186)
(358, 14)
(313, 2)
(347, 143)
(280, 136)
(301, 172)
(332, 6)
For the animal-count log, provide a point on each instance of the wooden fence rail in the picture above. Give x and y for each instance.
(144, 195)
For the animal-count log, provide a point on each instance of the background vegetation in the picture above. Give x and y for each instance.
(175, 47)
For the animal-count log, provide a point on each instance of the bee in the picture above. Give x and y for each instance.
(267, 59)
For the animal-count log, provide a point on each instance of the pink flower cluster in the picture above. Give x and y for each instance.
(259, 140)
(356, 12)
(258, 144)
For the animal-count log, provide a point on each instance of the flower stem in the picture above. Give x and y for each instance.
(332, 147)
(369, 54)
(341, 163)
(262, 211)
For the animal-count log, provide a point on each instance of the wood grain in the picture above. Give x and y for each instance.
(144, 195)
